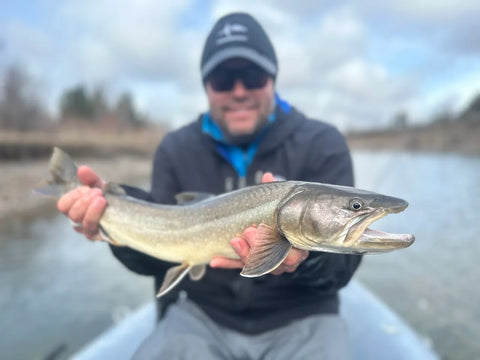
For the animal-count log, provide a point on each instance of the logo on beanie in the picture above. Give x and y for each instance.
(232, 32)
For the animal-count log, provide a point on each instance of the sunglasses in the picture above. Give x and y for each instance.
(223, 79)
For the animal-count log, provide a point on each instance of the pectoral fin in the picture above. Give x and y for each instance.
(268, 252)
(173, 276)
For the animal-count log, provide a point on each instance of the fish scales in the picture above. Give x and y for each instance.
(205, 227)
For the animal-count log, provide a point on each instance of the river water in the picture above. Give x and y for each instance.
(58, 291)
(434, 283)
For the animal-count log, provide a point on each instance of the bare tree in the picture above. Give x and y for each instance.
(19, 106)
(76, 102)
(472, 112)
(99, 104)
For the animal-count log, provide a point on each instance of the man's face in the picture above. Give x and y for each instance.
(239, 110)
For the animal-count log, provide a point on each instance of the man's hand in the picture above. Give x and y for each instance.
(84, 206)
(242, 246)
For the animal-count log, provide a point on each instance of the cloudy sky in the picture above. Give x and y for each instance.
(354, 64)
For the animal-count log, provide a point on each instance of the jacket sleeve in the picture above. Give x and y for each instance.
(163, 191)
(329, 162)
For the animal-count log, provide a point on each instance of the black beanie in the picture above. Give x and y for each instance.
(238, 35)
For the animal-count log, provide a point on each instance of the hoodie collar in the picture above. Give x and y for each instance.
(210, 128)
(281, 123)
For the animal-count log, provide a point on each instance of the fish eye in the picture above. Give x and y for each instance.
(356, 204)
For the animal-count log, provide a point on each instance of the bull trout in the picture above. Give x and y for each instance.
(308, 216)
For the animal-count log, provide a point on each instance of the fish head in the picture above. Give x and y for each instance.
(337, 218)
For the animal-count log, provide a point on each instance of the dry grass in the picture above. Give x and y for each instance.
(126, 157)
(121, 157)
(79, 141)
(18, 179)
(459, 137)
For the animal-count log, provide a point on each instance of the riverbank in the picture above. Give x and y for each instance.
(455, 137)
(120, 157)
(126, 157)
(79, 141)
(17, 179)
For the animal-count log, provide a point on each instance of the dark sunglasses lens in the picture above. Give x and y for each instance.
(221, 80)
(254, 78)
(224, 79)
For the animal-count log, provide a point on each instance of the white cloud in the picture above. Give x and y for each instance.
(436, 11)
(328, 73)
(26, 44)
(351, 63)
(447, 25)
(328, 42)
(141, 39)
(455, 96)
(95, 63)
(271, 17)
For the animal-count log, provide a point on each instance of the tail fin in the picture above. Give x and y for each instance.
(63, 175)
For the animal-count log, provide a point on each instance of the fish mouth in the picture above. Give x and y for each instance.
(365, 240)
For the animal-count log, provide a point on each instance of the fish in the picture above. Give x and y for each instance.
(305, 215)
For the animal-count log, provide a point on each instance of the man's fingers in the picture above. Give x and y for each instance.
(295, 257)
(291, 262)
(224, 263)
(92, 216)
(268, 177)
(84, 206)
(78, 208)
(279, 270)
(284, 269)
(241, 247)
(66, 201)
(249, 235)
(88, 177)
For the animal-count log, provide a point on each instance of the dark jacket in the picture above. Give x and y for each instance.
(295, 148)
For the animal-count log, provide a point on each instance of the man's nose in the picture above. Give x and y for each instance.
(239, 90)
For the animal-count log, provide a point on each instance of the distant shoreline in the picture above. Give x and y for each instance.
(19, 178)
(124, 157)
(78, 142)
(457, 137)
(127, 158)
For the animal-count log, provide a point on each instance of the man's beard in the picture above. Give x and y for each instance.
(245, 139)
(242, 139)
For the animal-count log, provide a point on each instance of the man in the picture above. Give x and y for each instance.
(248, 130)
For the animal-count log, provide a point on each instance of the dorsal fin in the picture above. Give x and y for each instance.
(191, 197)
